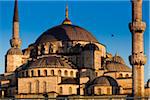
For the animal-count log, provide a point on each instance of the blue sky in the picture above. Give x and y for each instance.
(101, 18)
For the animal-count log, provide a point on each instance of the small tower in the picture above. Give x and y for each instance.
(67, 20)
(137, 59)
(14, 54)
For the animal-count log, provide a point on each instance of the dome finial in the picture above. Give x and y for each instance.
(66, 21)
(67, 16)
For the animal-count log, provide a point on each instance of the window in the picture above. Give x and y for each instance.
(26, 73)
(37, 86)
(108, 90)
(127, 75)
(71, 73)
(29, 87)
(70, 90)
(59, 72)
(99, 91)
(60, 90)
(52, 72)
(66, 73)
(45, 72)
(39, 73)
(32, 73)
(96, 73)
(120, 75)
(22, 74)
(44, 86)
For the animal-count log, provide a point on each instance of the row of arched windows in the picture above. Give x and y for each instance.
(37, 85)
(45, 73)
(61, 90)
(121, 75)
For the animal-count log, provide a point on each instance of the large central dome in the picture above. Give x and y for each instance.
(66, 32)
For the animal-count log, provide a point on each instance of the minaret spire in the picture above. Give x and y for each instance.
(66, 21)
(15, 17)
(15, 41)
(137, 59)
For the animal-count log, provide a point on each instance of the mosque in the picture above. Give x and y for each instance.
(65, 60)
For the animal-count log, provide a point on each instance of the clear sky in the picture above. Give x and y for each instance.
(101, 18)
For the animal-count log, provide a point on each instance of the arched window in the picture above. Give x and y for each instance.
(66, 73)
(45, 72)
(108, 90)
(71, 73)
(96, 74)
(29, 87)
(99, 91)
(39, 74)
(60, 90)
(59, 72)
(127, 75)
(37, 86)
(52, 72)
(70, 90)
(27, 74)
(120, 75)
(44, 87)
(22, 74)
(32, 73)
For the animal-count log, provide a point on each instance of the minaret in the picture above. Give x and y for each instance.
(137, 59)
(66, 21)
(14, 54)
(15, 41)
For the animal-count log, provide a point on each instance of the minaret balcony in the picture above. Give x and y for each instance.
(137, 26)
(15, 42)
(137, 59)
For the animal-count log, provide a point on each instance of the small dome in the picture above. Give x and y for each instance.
(105, 81)
(118, 59)
(14, 51)
(91, 46)
(117, 67)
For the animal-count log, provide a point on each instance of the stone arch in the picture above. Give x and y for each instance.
(108, 91)
(71, 73)
(127, 75)
(32, 72)
(37, 85)
(70, 90)
(52, 72)
(120, 75)
(45, 72)
(39, 73)
(66, 73)
(44, 87)
(59, 73)
(60, 90)
(99, 90)
(29, 87)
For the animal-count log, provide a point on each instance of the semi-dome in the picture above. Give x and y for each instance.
(116, 67)
(48, 62)
(105, 81)
(65, 32)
